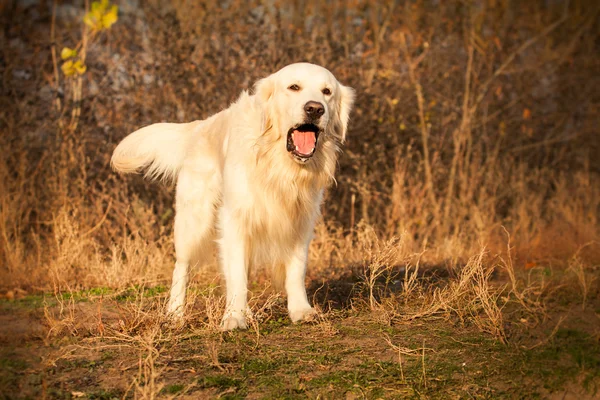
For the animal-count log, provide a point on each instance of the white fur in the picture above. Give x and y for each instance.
(236, 178)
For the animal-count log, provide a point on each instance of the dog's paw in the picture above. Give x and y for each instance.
(305, 314)
(175, 313)
(233, 320)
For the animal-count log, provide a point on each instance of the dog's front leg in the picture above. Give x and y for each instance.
(298, 306)
(178, 289)
(233, 260)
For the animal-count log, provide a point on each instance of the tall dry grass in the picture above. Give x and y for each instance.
(471, 118)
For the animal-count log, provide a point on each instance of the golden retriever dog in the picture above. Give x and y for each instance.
(252, 175)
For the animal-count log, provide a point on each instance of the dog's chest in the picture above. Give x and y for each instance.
(274, 226)
(280, 212)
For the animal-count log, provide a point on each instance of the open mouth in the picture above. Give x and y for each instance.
(302, 141)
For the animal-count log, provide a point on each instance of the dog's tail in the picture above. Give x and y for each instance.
(160, 149)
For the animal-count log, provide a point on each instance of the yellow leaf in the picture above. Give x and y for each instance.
(93, 19)
(102, 15)
(110, 17)
(67, 68)
(526, 113)
(66, 53)
(97, 7)
(79, 67)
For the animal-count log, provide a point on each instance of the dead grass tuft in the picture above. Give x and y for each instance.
(470, 297)
(585, 278)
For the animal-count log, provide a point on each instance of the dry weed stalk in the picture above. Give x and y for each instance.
(577, 266)
(142, 313)
(146, 383)
(64, 318)
(324, 323)
(411, 282)
(382, 257)
(487, 298)
(552, 334)
(261, 309)
(212, 306)
(386, 311)
(526, 296)
(405, 351)
(149, 344)
(423, 125)
(469, 296)
(212, 348)
(323, 317)
(144, 327)
(423, 364)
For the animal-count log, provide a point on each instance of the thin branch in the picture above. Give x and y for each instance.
(459, 133)
(424, 129)
(54, 58)
(485, 87)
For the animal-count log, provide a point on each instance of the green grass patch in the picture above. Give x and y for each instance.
(571, 353)
(105, 394)
(235, 387)
(173, 388)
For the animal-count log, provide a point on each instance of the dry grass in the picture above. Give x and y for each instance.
(585, 277)
(406, 352)
(470, 152)
(469, 297)
(439, 154)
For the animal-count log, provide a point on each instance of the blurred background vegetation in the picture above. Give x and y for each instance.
(473, 119)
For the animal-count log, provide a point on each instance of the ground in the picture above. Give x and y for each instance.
(102, 344)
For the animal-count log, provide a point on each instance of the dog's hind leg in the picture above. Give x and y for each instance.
(198, 191)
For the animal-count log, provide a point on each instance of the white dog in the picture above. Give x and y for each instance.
(254, 174)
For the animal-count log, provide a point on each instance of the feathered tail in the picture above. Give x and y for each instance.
(160, 149)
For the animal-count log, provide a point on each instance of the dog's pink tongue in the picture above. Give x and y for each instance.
(304, 141)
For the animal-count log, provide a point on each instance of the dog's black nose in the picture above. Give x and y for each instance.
(314, 109)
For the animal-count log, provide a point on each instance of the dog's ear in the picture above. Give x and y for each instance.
(344, 106)
(263, 89)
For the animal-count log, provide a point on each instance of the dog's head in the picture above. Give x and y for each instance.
(303, 103)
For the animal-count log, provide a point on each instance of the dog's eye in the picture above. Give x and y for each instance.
(326, 91)
(294, 88)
